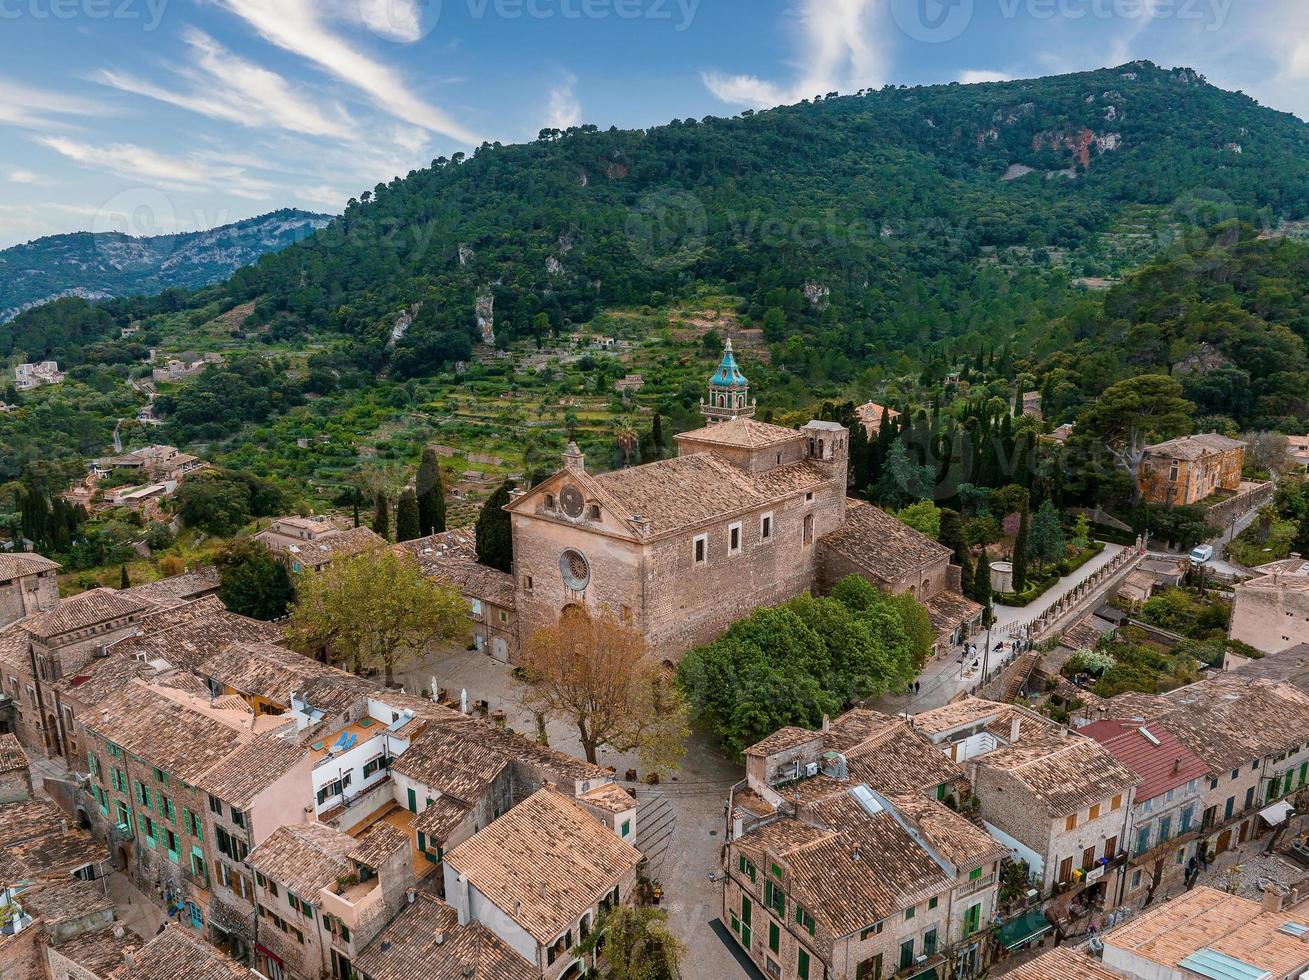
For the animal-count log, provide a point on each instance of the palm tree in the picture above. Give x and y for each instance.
(627, 441)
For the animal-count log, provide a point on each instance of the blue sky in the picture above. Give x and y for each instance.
(152, 116)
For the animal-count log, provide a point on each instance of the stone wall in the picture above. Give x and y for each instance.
(1271, 618)
(21, 597)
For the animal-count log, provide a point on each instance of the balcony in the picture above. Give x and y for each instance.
(200, 879)
(353, 902)
(981, 884)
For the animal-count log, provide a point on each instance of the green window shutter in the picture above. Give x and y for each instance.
(802, 965)
(422, 841)
(774, 937)
(974, 875)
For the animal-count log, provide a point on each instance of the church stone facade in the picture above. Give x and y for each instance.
(682, 548)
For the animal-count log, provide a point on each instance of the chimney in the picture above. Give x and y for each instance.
(1272, 901)
(574, 461)
(1177, 766)
(1015, 726)
(827, 724)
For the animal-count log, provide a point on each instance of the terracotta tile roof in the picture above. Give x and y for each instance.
(11, 754)
(966, 713)
(101, 679)
(955, 838)
(42, 843)
(1205, 918)
(1063, 963)
(378, 843)
(15, 648)
(683, 492)
(881, 546)
(1158, 758)
(184, 743)
(451, 558)
(191, 643)
(62, 901)
(544, 863)
(858, 868)
(304, 858)
(19, 564)
(611, 797)
(783, 739)
(252, 768)
(1081, 635)
(950, 610)
(743, 432)
(103, 953)
(1065, 774)
(176, 955)
(267, 671)
(81, 611)
(426, 942)
(888, 755)
(343, 544)
(1194, 447)
(177, 589)
(1226, 720)
(440, 819)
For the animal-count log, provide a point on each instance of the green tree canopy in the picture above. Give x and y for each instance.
(252, 582)
(495, 540)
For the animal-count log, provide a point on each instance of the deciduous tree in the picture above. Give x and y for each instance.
(251, 582)
(592, 671)
(376, 609)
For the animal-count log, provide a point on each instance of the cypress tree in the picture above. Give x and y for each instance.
(431, 495)
(495, 541)
(124, 582)
(355, 501)
(406, 517)
(656, 444)
(382, 515)
(1020, 552)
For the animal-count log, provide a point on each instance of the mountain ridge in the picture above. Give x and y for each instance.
(104, 265)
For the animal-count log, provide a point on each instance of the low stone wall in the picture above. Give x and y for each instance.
(1223, 515)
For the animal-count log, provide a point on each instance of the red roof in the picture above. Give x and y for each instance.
(1151, 751)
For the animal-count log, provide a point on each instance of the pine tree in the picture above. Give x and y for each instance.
(406, 517)
(124, 582)
(382, 514)
(1020, 552)
(495, 541)
(431, 495)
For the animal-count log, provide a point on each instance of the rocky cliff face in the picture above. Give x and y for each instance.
(102, 266)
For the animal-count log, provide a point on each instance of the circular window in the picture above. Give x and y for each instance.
(576, 570)
(570, 498)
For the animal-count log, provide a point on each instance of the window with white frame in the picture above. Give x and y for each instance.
(734, 539)
(700, 549)
(766, 527)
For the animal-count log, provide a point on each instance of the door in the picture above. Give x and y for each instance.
(197, 918)
(413, 801)
(1224, 842)
(500, 650)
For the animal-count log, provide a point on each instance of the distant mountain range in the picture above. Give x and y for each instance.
(111, 264)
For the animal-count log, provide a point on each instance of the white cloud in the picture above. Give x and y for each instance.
(227, 87)
(31, 108)
(295, 26)
(23, 177)
(974, 76)
(564, 111)
(840, 50)
(395, 20)
(139, 163)
(324, 196)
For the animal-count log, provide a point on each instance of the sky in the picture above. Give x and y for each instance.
(156, 116)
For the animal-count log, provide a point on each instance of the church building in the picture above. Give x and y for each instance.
(682, 548)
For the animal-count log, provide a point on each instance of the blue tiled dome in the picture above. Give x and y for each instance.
(729, 372)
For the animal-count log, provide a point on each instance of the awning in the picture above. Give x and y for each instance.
(1276, 814)
(1023, 930)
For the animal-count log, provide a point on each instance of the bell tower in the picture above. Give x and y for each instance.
(729, 392)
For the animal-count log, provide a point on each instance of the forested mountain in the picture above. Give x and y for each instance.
(107, 264)
(857, 229)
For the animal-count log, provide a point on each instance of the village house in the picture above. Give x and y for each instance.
(1166, 809)
(1185, 471)
(29, 377)
(15, 776)
(682, 548)
(843, 780)
(29, 584)
(540, 877)
(1062, 805)
(1209, 933)
(1297, 447)
(972, 727)
(310, 544)
(151, 464)
(176, 954)
(1063, 963)
(427, 940)
(1271, 611)
(76, 925)
(872, 415)
(450, 558)
(1253, 736)
(184, 366)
